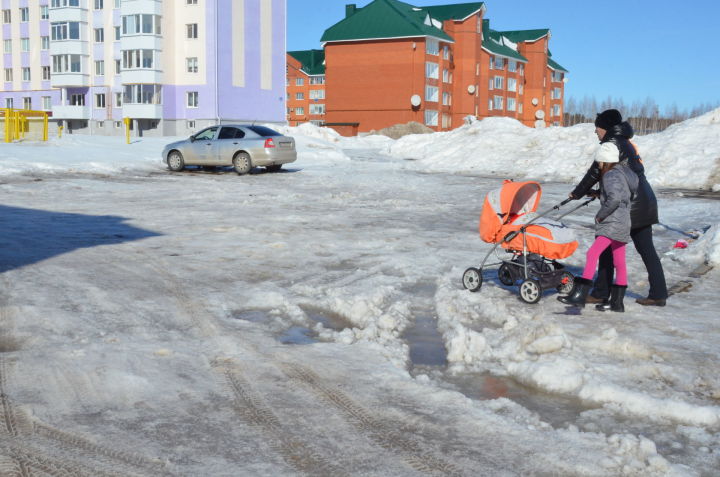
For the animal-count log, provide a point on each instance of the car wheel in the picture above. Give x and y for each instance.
(242, 163)
(175, 161)
(274, 168)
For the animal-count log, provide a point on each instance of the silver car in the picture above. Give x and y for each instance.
(242, 146)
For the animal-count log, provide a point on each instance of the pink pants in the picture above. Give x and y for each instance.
(618, 252)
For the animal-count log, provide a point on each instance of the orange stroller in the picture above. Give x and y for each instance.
(509, 219)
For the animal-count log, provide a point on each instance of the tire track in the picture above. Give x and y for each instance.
(389, 435)
(251, 407)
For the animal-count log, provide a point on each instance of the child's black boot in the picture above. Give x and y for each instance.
(579, 294)
(617, 295)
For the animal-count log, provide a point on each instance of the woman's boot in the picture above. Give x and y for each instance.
(617, 295)
(579, 294)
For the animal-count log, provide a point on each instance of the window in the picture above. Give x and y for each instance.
(446, 52)
(447, 99)
(192, 99)
(499, 63)
(320, 79)
(65, 31)
(24, 14)
(100, 68)
(192, 65)
(317, 109)
(135, 59)
(117, 67)
(432, 46)
(299, 111)
(99, 4)
(44, 42)
(557, 76)
(317, 94)
(231, 133)
(27, 102)
(207, 134)
(118, 124)
(512, 66)
(100, 101)
(141, 23)
(118, 100)
(117, 33)
(556, 93)
(77, 100)
(24, 44)
(556, 110)
(192, 30)
(46, 103)
(64, 3)
(190, 124)
(431, 70)
(100, 123)
(26, 74)
(99, 35)
(498, 102)
(66, 64)
(520, 108)
(117, 4)
(299, 81)
(499, 82)
(447, 76)
(9, 103)
(44, 12)
(446, 121)
(299, 96)
(491, 84)
(46, 73)
(492, 61)
(191, 2)
(511, 104)
(8, 74)
(7, 46)
(512, 84)
(431, 93)
(521, 89)
(143, 94)
(7, 16)
(431, 117)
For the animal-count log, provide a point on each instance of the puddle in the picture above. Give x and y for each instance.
(425, 341)
(297, 335)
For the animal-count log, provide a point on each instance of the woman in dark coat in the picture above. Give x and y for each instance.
(644, 213)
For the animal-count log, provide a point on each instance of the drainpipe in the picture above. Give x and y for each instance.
(217, 63)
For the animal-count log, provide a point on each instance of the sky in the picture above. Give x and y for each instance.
(631, 49)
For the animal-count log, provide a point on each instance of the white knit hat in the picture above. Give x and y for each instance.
(607, 152)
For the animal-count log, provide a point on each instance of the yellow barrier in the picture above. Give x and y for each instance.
(20, 124)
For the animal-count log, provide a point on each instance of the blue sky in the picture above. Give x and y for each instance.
(630, 49)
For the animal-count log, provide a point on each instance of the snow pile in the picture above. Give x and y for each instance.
(685, 155)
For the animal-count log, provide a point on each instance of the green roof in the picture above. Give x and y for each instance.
(458, 11)
(554, 65)
(312, 61)
(384, 19)
(496, 43)
(518, 36)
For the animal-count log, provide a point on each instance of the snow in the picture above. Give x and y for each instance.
(211, 324)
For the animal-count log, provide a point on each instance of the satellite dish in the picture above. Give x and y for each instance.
(534, 101)
(539, 124)
(565, 79)
(471, 89)
(539, 114)
(415, 100)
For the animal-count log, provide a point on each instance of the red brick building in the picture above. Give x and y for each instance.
(305, 87)
(390, 62)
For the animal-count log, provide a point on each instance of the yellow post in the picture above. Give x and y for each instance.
(127, 129)
(60, 130)
(45, 127)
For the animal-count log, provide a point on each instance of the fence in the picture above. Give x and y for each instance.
(23, 124)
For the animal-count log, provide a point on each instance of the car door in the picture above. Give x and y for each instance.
(201, 147)
(227, 143)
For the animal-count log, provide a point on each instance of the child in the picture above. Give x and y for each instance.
(618, 186)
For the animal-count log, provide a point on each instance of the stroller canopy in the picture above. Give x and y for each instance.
(511, 206)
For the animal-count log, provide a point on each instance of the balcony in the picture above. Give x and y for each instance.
(141, 41)
(71, 112)
(141, 76)
(69, 47)
(68, 14)
(142, 111)
(133, 7)
(69, 79)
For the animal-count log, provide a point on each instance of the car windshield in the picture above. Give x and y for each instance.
(263, 131)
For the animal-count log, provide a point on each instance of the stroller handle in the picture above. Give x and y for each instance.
(512, 235)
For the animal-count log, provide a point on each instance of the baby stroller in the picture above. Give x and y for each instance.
(535, 243)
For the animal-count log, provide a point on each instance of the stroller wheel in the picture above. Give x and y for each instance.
(505, 275)
(567, 283)
(530, 291)
(472, 279)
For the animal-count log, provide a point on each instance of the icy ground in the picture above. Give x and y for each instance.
(312, 322)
